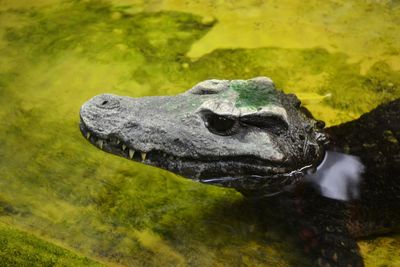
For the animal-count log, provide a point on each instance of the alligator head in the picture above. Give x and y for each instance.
(243, 134)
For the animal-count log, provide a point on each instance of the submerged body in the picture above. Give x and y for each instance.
(247, 135)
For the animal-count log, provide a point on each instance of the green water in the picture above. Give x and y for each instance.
(341, 57)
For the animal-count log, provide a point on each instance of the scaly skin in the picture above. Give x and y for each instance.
(247, 135)
(374, 137)
(329, 227)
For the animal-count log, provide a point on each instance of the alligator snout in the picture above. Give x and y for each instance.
(100, 114)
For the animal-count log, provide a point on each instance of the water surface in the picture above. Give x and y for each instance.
(340, 57)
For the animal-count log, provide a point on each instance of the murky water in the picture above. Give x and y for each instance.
(341, 57)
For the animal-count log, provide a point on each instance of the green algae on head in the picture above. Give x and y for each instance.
(253, 94)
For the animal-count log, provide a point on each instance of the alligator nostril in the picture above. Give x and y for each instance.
(106, 101)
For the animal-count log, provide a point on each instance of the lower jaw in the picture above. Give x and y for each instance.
(260, 186)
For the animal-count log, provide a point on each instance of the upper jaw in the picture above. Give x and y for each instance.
(116, 145)
(152, 155)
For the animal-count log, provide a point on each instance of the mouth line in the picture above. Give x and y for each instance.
(279, 179)
(292, 174)
(115, 146)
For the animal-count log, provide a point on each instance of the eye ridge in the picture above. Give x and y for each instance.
(227, 125)
(266, 122)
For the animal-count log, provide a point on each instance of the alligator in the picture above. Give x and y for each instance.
(251, 136)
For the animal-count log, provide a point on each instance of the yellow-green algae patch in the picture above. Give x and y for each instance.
(366, 30)
(55, 184)
(18, 248)
(382, 251)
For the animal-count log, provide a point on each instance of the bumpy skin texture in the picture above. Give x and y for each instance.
(329, 227)
(267, 148)
(374, 137)
(247, 135)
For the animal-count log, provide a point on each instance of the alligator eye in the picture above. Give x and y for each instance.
(220, 125)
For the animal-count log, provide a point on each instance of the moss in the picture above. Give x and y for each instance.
(18, 248)
(252, 94)
(383, 251)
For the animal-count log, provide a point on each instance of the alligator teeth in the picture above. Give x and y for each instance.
(143, 154)
(123, 147)
(100, 142)
(87, 135)
(131, 153)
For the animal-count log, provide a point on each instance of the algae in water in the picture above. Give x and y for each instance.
(56, 56)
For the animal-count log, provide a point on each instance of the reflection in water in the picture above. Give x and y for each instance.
(338, 176)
